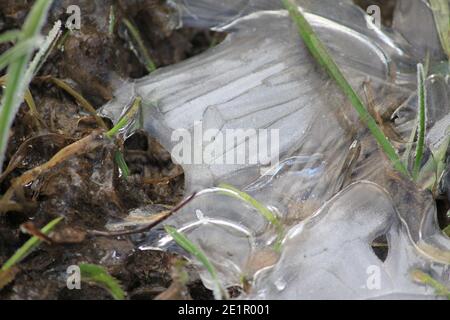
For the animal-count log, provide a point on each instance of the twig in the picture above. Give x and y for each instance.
(160, 218)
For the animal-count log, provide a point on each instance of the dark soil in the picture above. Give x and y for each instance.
(87, 189)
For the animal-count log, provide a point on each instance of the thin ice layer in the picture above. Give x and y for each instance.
(262, 77)
(329, 256)
(253, 81)
(414, 20)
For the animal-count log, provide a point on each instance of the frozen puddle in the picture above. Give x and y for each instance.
(322, 174)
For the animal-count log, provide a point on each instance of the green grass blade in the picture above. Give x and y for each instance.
(122, 164)
(15, 86)
(28, 247)
(262, 209)
(191, 248)
(266, 213)
(321, 55)
(97, 275)
(426, 279)
(36, 18)
(19, 49)
(125, 120)
(11, 35)
(421, 90)
(44, 51)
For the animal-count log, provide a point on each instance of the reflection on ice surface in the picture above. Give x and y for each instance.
(262, 77)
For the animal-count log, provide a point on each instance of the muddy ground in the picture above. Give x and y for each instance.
(87, 189)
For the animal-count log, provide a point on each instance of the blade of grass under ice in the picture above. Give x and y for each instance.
(191, 248)
(266, 213)
(321, 55)
(432, 172)
(125, 120)
(262, 209)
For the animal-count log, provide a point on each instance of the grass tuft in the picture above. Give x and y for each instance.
(17, 83)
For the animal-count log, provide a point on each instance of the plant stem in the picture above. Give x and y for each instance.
(32, 243)
(126, 118)
(149, 64)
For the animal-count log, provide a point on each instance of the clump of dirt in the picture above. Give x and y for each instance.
(86, 188)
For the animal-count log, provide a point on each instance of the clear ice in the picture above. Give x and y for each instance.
(332, 188)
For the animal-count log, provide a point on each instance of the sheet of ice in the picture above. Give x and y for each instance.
(438, 111)
(259, 82)
(329, 255)
(262, 77)
(415, 21)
